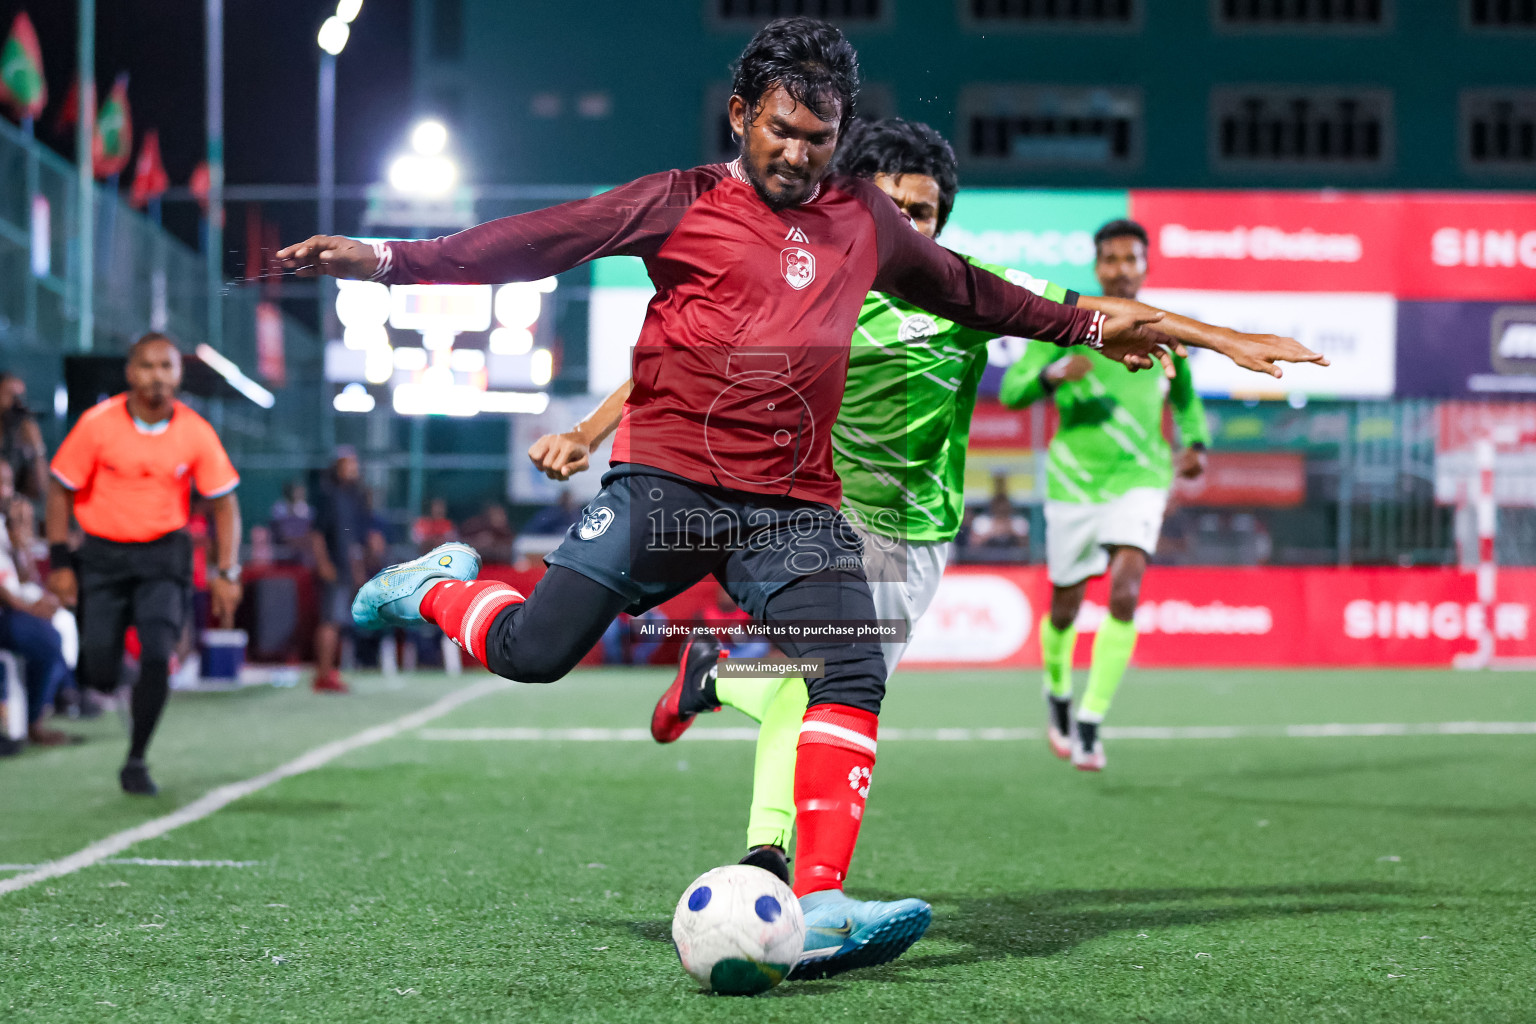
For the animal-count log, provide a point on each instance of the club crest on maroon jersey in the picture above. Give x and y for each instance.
(798, 266)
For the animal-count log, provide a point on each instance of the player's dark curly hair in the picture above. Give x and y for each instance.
(1120, 229)
(812, 61)
(894, 146)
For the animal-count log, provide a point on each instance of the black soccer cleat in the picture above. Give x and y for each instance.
(1058, 729)
(692, 691)
(135, 779)
(771, 859)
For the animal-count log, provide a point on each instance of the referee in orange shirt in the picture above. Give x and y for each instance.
(127, 470)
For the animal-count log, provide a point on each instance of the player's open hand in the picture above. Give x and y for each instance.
(561, 456)
(1260, 352)
(332, 256)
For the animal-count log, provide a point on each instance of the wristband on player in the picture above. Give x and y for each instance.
(60, 556)
(1095, 338)
(386, 260)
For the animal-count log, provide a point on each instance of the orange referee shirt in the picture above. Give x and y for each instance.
(135, 485)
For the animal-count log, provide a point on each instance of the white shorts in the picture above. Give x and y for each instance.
(903, 577)
(1077, 536)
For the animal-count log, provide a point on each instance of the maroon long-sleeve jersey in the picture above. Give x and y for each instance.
(739, 367)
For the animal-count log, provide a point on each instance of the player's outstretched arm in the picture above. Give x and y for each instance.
(631, 220)
(1257, 352)
(562, 456)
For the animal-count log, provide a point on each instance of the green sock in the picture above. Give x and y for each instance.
(750, 695)
(1056, 652)
(1112, 650)
(772, 818)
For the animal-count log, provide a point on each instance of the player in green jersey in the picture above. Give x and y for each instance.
(1108, 473)
(899, 447)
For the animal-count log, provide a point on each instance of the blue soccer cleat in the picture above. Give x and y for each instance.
(393, 596)
(842, 934)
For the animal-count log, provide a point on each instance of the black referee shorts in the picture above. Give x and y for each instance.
(147, 585)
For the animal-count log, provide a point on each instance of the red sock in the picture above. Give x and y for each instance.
(832, 768)
(465, 611)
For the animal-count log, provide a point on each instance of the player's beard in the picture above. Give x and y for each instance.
(779, 202)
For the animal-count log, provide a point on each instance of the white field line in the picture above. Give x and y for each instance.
(151, 862)
(219, 798)
(1129, 732)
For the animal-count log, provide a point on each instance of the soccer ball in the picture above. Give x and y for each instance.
(738, 930)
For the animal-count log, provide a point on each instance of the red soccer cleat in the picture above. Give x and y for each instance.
(690, 694)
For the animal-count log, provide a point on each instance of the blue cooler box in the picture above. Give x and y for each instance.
(223, 652)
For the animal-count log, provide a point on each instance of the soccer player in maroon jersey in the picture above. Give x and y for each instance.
(722, 463)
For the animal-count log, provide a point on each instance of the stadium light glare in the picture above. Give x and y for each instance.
(545, 285)
(379, 364)
(466, 360)
(362, 339)
(414, 174)
(333, 35)
(518, 305)
(534, 402)
(410, 359)
(541, 367)
(429, 137)
(348, 10)
(511, 341)
(362, 303)
(353, 398)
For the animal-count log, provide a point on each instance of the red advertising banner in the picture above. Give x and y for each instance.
(1239, 617)
(1273, 479)
(1425, 245)
(995, 426)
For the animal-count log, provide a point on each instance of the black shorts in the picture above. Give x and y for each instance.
(650, 535)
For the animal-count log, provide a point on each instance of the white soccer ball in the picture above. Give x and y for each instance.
(738, 930)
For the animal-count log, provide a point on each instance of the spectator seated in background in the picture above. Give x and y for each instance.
(292, 520)
(433, 527)
(556, 518)
(491, 534)
(27, 614)
(21, 442)
(999, 525)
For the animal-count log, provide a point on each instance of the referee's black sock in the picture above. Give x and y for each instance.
(149, 695)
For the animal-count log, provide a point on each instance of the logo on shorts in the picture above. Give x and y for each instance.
(798, 267)
(594, 522)
(858, 781)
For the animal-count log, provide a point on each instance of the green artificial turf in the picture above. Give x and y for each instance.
(1271, 879)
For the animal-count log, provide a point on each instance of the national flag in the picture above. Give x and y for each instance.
(23, 88)
(149, 178)
(112, 145)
